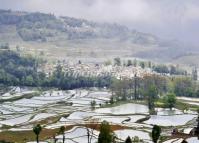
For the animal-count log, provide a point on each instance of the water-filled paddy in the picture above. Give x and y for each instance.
(48, 104)
(129, 108)
(123, 134)
(174, 120)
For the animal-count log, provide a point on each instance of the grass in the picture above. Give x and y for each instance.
(179, 105)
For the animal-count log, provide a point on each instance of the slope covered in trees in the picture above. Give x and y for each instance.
(47, 27)
(23, 71)
(15, 69)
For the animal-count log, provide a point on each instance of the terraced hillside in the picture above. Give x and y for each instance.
(72, 38)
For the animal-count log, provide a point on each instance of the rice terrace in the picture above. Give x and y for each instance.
(99, 71)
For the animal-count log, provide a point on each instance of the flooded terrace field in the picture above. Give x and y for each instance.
(55, 108)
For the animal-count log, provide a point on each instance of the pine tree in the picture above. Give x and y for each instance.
(128, 140)
(156, 131)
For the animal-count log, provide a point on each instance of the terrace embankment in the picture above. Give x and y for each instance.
(25, 136)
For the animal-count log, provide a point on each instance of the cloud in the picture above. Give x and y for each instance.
(167, 18)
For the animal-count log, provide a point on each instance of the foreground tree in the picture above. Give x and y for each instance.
(156, 131)
(61, 131)
(128, 140)
(37, 130)
(184, 141)
(105, 135)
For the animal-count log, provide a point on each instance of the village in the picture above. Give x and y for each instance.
(99, 70)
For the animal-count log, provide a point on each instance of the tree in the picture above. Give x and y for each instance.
(135, 63)
(173, 70)
(37, 130)
(183, 87)
(111, 100)
(117, 61)
(197, 128)
(184, 141)
(142, 64)
(105, 135)
(128, 140)
(129, 63)
(195, 74)
(29, 80)
(61, 131)
(119, 88)
(93, 104)
(161, 69)
(135, 86)
(149, 64)
(170, 100)
(156, 131)
(152, 96)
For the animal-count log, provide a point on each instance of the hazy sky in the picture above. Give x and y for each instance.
(175, 19)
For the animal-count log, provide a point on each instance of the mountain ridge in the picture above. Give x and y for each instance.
(47, 28)
(43, 27)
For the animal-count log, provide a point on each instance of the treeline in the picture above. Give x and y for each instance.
(159, 68)
(16, 70)
(155, 90)
(172, 70)
(137, 88)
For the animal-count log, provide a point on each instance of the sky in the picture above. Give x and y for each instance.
(170, 19)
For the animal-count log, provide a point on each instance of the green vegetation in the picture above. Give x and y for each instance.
(16, 70)
(62, 131)
(42, 27)
(117, 61)
(152, 97)
(129, 63)
(93, 104)
(105, 135)
(172, 70)
(156, 131)
(184, 141)
(37, 130)
(156, 90)
(186, 87)
(170, 100)
(128, 140)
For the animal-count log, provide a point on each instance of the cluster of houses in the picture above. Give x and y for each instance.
(97, 70)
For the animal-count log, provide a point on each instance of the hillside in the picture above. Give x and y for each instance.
(47, 27)
(79, 38)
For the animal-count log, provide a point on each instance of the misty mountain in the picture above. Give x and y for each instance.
(44, 28)
(47, 27)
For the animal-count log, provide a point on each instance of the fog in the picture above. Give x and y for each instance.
(172, 19)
